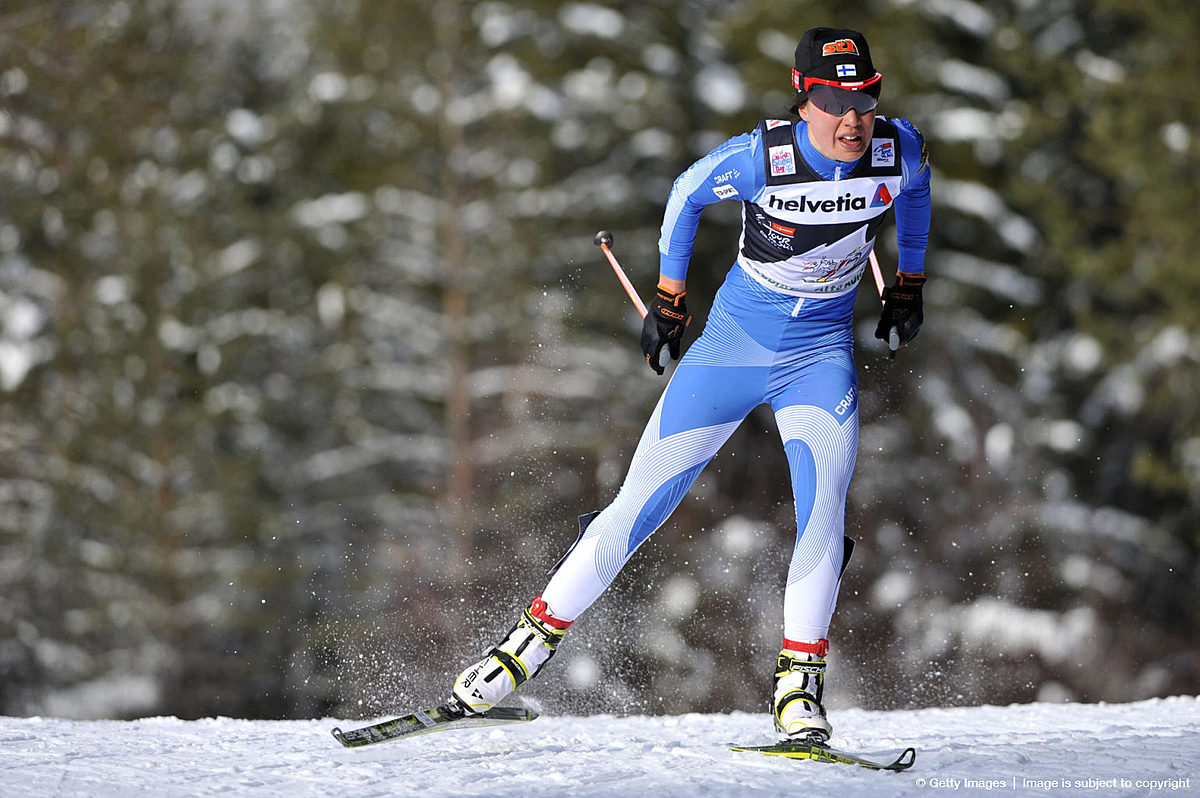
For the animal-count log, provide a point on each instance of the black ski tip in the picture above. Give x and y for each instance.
(603, 238)
(905, 760)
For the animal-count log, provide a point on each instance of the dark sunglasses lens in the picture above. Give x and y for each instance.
(838, 102)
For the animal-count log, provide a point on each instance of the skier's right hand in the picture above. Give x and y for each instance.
(665, 321)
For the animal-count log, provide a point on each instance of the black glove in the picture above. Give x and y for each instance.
(902, 308)
(665, 321)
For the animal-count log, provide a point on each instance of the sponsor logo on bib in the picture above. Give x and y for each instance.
(783, 160)
(883, 152)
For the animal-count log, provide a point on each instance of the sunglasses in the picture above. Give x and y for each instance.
(837, 99)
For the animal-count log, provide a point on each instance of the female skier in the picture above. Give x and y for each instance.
(814, 192)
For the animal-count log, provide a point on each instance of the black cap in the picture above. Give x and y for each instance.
(832, 54)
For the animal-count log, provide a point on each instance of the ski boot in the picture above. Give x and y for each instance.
(519, 657)
(796, 697)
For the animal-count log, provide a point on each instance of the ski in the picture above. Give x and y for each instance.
(823, 753)
(442, 718)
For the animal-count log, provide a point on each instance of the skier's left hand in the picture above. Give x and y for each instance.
(665, 321)
(902, 308)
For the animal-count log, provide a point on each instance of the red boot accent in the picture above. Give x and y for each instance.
(820, 648)
(540, 611)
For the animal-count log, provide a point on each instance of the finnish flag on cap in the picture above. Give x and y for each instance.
(846, 71)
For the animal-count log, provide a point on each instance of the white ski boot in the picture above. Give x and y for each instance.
(799, 683)
(519, 657)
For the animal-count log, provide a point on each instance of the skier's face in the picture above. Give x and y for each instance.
(841, 138)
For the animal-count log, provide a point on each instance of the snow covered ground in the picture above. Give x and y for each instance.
(1147, 748)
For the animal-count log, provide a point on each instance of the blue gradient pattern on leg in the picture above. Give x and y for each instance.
(664, 501)
(804, 481)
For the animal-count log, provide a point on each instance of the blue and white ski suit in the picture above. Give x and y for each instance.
(779, 332)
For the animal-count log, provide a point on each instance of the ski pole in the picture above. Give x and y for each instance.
(604, 240)
(894, 333)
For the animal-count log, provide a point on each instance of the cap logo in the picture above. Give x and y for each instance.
(840, 47)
